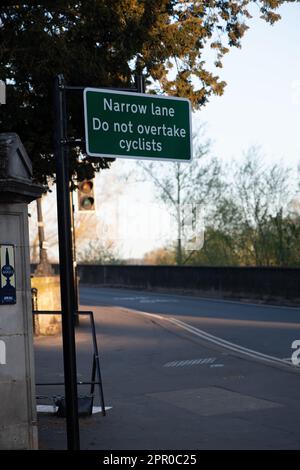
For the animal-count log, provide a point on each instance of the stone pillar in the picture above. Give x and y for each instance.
(18, 426)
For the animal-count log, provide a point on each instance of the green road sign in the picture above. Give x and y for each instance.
(132, 125)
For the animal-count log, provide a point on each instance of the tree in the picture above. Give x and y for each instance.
(161, 256)
(250, 213)
(186, 189)
(251, 221)
(101, 43)
(261, 192)
(283, 240)
(95, 231)
(100, 253)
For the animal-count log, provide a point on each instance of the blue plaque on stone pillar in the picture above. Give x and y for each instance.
(7, 275)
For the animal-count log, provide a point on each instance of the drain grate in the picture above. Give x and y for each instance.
(191, 362)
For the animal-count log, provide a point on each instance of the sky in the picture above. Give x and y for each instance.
(261, 103)
(260, 106)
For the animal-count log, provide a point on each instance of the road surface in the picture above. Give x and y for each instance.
(181, 373)
(266, 329)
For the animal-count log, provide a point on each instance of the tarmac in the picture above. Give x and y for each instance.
(167, 389)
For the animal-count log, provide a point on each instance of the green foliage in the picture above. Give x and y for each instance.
(101, 43)
(254, 221)
(251, 225)
(277, 244)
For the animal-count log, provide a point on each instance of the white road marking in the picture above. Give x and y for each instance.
(210, 299)
(157, 301)
(191, 362)
(53, 409)
(287, 359)
(219, 341)
(146, 314)
(227, 344)
(147, 300)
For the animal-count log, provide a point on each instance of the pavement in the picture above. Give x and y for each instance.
(180, 373)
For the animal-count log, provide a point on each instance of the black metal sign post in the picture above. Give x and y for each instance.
(69, 302)
(66, 267)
